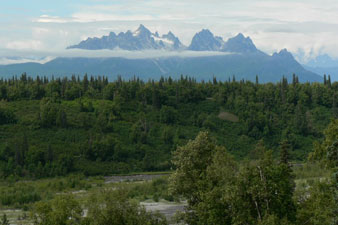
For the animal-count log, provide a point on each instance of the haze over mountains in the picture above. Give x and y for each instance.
(238, 56)
(323, 64)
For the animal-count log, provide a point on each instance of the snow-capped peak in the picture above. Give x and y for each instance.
(141, 30)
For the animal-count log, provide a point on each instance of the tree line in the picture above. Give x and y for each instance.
(52, 127)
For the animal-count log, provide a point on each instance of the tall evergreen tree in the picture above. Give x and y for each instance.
(284, 152)
(329, 81)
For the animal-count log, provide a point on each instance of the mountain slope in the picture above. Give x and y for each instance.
(243, 66)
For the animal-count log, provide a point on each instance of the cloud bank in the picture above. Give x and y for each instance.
(19, 56)
(302, 26)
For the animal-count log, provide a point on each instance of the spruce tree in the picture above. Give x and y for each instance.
(329, 81)
(284, 153)
(50, 154)
(334, 106)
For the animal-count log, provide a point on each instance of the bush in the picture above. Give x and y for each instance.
(106, 208)
(114, 208)
(6, 116)
(19, 196)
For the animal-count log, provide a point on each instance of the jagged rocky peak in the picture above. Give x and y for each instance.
(170, 35)
(205, 32)
(240, 44)
(205, 41)
(141, 39)
(286, 57)
(283, 53)
(142, 31)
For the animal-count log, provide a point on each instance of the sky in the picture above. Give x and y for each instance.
(44, 28)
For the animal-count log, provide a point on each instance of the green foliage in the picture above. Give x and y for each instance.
(106, 208)
(318, 199)
(6, 116)
(63, 210)
(221, 192)
(156, 189)
(4, 220)
(114, 208)
(327, 151)
(265, 189)
(284, 154)
(19, 196)
(318, 205)
(22, 194)
(191, 162)
(93, 126)
(311, 170)
(48, 113)
(168, 115)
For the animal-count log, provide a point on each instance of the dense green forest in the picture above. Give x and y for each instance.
(52, 127)
(220, 190)
(217, 188)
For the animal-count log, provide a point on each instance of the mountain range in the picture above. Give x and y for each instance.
(144, 39)
(323, 64)
(141, 39)
(238, 56)
(242, 66)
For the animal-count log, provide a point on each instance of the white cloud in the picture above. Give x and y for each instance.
(97, 17)
(309, 25)
(51, 19)
(27, 44)
(15, 60)
(39, 56)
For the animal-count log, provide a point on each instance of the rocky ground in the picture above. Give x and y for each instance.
(130, 178)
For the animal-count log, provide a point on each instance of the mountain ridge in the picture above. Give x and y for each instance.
(243, 66)
(140, 39)
(205, 41)
(144, 39)
(241, 58)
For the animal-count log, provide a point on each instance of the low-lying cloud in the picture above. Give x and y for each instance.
(23, 56)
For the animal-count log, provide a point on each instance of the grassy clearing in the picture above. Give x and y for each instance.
(16, 216)
(307, 175)
(228, 116)
(22, 194)
(310, 171)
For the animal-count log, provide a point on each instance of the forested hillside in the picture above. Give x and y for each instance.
(93, 126)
